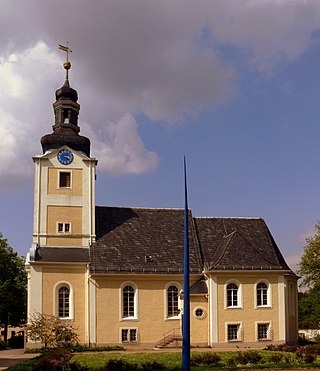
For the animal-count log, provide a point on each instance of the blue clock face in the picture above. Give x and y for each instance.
(65, 157)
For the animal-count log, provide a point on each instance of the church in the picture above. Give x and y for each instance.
(117, 272)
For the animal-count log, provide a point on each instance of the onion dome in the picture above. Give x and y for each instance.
(66, 129)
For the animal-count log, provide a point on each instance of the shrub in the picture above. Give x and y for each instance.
(207, 358)
(54, 361)
(16, 342)
(3, 345)
(51, 331)
(276, 358)
(153, 366)
(120, 365)
(309, 358)
(250, 356)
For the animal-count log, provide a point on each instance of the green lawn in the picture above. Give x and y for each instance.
(172, 361)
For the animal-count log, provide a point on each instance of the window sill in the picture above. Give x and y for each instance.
(263, 307)
(129, 319)
(235, 307)
(173, 318)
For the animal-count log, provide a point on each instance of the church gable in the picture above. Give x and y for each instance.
(238, 244)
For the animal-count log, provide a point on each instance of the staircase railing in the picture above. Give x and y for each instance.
(169, 337)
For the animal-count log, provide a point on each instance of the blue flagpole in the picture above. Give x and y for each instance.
(186, 284)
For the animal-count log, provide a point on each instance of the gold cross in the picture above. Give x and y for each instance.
(65, 49)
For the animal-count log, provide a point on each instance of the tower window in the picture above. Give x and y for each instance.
(64, 179)
(64, 227)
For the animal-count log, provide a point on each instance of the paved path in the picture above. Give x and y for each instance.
(13, 356)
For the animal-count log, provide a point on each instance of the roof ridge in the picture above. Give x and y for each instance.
(143, 208)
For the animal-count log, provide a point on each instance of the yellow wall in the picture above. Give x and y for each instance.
(199, 328)
(67, 214)
(151, 321)
(248, 315)
(76, 182)
(74, 276)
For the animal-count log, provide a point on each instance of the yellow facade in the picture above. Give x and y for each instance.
(75, 188)
(64, 214)
(75, 277)
(248, 314)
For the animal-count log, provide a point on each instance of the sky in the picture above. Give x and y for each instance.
(233, 85)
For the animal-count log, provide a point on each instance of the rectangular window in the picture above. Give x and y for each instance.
(234, 332)
(129, 335)
(124, 335)
(263, 331)
(64, 179)
(64, 227)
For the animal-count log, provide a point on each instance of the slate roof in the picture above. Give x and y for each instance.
(135, 240)
(238, 243)
(62, 254)
(142, 241)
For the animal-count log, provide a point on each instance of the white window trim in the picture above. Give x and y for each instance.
(135, 317)
(269, 331)
(129, 329)
(64, 227)
(56, 288)
(269, 295)
(204, 313)
(239, 332)
(166, 317)
(240, 305)
(64, 171)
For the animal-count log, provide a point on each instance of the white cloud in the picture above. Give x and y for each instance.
(163, 59)
(27, 80)
(120, 150)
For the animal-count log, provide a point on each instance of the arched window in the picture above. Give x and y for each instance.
(262, 294)
(172, 301)
(128, 293)
(232, 295)
(64, 302)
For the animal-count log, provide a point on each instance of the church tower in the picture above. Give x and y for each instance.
(64, 217)
(64, 179)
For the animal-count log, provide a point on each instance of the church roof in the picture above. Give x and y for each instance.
(142, 241)
(62, 254)
(135, 240)
(238, 243)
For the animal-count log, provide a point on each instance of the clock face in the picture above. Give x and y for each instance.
(65, 157)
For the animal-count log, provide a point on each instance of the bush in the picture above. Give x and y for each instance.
(153, 366)
(204, 359)
(120, 365)
(3, 345)
(276, 358)
(51, 331)
(54, 361)
(16, 342)
(250, 356)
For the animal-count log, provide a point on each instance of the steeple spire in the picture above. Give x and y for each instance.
(66, 110)
(67, 63)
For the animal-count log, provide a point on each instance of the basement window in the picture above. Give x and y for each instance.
(129, 335)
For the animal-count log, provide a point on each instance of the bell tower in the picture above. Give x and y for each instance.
(64, 191)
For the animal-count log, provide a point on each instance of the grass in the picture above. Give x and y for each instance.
(172, 361)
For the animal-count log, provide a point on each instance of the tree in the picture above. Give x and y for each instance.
(309, 308)
(12, 287)
(309, 266)
(52, 331)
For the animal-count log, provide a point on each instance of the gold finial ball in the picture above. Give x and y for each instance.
(67, 65)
